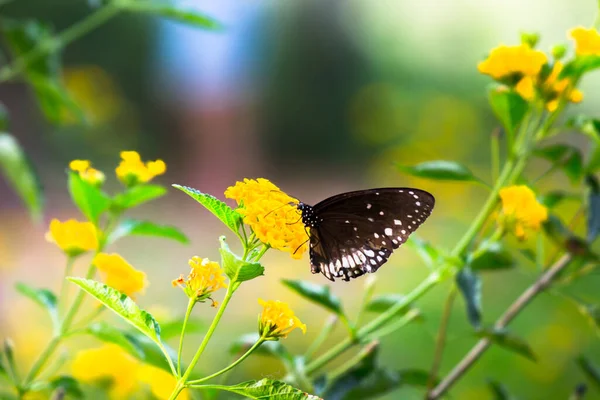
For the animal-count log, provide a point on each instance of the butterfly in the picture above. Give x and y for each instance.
(354, 233)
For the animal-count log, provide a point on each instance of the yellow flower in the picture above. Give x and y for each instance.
(119, 274)
(132, 169)
(109, 362)
(512, 61)
(160, 381)
(277, 320)
(72, 236)
(205, 277)
(271, 214)
(521, 210)
(87, 173)
(587, 41)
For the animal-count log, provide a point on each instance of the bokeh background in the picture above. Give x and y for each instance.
(319, 97)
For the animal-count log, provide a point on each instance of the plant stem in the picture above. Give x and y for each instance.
(41, 361)
(188, 312)
(66, 324)
(463, 366)
(233, 365)
(325, 332)
(440, 342)
(63, 297)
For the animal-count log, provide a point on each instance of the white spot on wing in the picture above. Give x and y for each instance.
(369, 206)
(389, 231)
(397, 222)
(369, 253)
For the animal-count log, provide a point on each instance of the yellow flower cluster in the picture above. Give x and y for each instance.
(132, 170)
(521, 210)
(271, 214)
(587, 41)
(73, 237)
(120, 275)
(87, 173)
(513, 61)
(123, 372)
(205, 278)
(277, 320)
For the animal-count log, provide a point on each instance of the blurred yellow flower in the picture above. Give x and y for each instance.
(277, 320)
(205, 278)
(160, 381)
(510, 61)
(87, 173)
(271, 214)
(132, 169)
(521, 210)
(120, 275)
(109, 362)
(72, 236)
(587, 41)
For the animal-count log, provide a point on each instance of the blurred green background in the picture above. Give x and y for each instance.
(321, 98)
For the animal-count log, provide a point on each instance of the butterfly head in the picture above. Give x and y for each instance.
(309, 218)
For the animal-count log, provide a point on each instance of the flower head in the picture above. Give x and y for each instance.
(87, 173)
(72, 236)
(132, 170)
(271, 214)
(205, 278)
(508, 62)
(277, 320)
(119, 274)
(521, 210)
(587, 41)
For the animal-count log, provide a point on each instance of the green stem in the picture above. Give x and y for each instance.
(233, 365)
(66, 324)
(41, 361)
(495, 154)
(440, 342)
(63, 297)
(188, 312)
(323, 335)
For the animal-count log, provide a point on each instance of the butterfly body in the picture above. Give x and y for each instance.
(356, 232)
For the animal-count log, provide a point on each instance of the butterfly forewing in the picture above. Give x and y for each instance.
(355, 233)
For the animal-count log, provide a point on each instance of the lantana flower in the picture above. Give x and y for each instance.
(132, 170)
(73, 237)
(587, 41)
(120, 275)
(87, 173)
(277, 320)
(205, 278)
(513, 62)
(271, 214)
(521, 211)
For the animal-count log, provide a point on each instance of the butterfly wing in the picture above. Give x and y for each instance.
(359, 230)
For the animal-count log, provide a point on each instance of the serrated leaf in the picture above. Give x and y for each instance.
(20, 174)
(110, 334)
(469, 284)
(499, 390)
(147, 228)
(137, 195)
(319, 294)
(43, 297)
(440, 170)
(121, 305)
(593, 213)
(265, 389)
(508, 341)
(382, 303)
(491, 256)
(590, 370)
(90, 200)
(236, 269)
(172, 329)
(425, 250)
(270, 348)
(509, 108)
(567, 157)
(176, 13)
(226, 214)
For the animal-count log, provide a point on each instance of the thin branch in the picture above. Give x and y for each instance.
(467, 362)
(440, 342)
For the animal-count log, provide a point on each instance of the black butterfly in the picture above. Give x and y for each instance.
(354, 233)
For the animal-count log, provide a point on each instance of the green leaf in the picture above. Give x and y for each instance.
(579, 66)
(236, 269)
(469, 284)
(318, 294)
(491, 256)
(509, 108)
(55, 101)
(363, 365)
(265, 389)
(68, 385)
(508, 341)
(43, 297)
(123, 306)
(590, 370)
(22, 36)
(587, 125)
(20, 175)
(172, 329)
(593, 214)
(190, 17)
(110, 334)
(554, 198)
(384, 380)
(566, 157)
(152, 354)
(90, 200)
(563, 237)
(382, 303)
(226, 214)
(137, 195)
(499, 390)
(440, 170)
(147, 228)
(270, 348)
(425, 250)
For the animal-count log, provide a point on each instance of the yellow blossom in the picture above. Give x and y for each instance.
(271, 214)
(160, 381)
(521, 210)
(277, 320)
(119, 274)
(510, 61)
(72, 236)
(205, 277)
(109, 362)
(87, 173)
(587, 41)
(132, 170)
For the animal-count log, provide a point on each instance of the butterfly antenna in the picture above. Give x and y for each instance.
(298, 248)
(277, 208)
